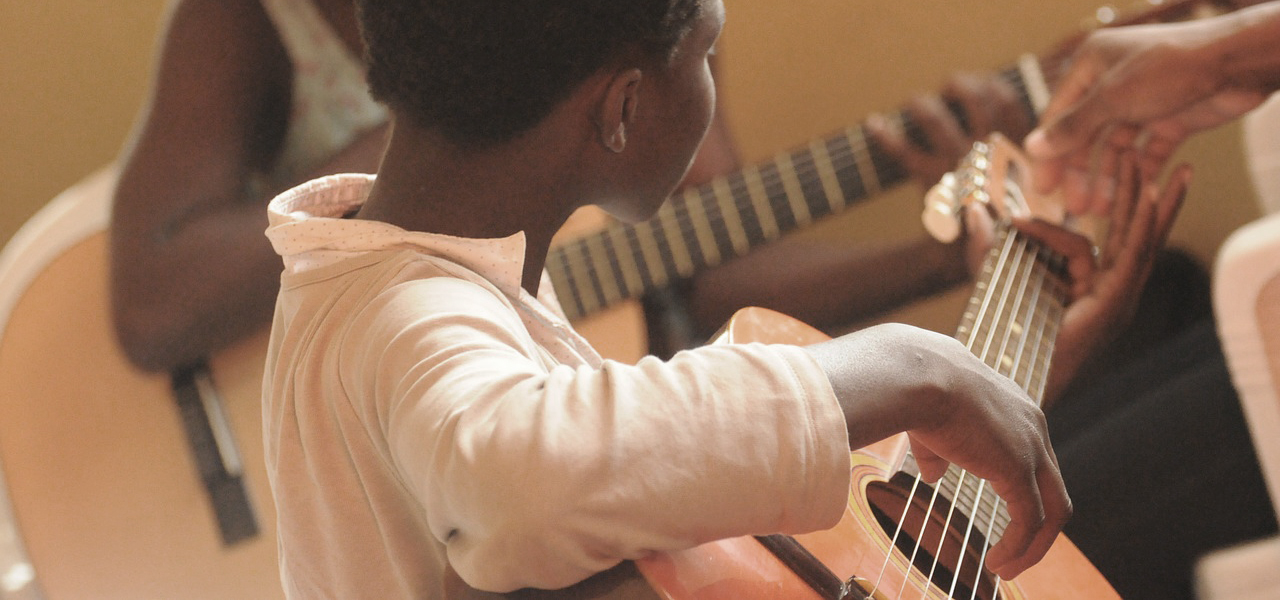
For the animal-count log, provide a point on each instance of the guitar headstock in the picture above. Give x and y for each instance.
(995, 173)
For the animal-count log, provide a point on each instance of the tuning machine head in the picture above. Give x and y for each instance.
(944, 202)
(941, 216)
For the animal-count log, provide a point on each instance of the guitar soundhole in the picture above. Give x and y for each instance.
(938, 564)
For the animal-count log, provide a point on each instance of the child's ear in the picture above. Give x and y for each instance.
(618, 108)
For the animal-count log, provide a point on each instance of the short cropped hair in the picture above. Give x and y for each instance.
(484, 71)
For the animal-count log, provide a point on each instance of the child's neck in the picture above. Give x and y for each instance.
(427, 185)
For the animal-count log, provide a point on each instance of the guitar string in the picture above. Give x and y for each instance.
(990, 523)
(1015, 274)
(807, 164)
(1038, 322)
(1033, 270)
(919, 542)
(942, 539)
(946, 527)
(1021, 267)
(1043, 323)
(854, 138)
(1028, 268)
(893, 542)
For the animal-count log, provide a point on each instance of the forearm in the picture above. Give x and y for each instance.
(179, 297)
(828, 284)
(1248, 50)
(194, 280)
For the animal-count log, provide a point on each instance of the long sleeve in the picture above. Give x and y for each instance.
(534, 473)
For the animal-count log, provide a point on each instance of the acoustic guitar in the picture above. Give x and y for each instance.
(109, 492)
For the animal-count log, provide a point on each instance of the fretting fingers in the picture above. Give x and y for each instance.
(1153, 216)
(1169, 200)
(1127, 190)
(1076, 248)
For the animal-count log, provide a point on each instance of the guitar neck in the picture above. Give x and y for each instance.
(706, 225)
(1011, 322)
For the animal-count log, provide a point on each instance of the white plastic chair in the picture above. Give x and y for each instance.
(1246, 297)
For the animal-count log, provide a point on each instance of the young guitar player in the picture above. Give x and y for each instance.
(429, 411)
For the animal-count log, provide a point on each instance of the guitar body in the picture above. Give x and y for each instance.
(104, 491)
(856, 547)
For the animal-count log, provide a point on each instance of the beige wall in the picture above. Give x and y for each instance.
(74, 75)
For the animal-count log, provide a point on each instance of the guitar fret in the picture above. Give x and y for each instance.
(815, 197)
(794, 192)
(866, 167)
(827, 175)
(675, 242)
(626, 261)
(1027, 355)
(840, 152)
(576, 262)
(731, 215)
(563, 282)
(598, 254)
(752, 233)
(760, 203)
(1003, 310)
(701, 225)
(648, 242)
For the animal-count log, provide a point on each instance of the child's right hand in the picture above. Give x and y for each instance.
(955, 409)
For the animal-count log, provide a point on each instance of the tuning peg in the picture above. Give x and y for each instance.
(941, 216)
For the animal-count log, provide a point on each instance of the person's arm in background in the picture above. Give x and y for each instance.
(1151, 87)
(191, 270)
(832, 283)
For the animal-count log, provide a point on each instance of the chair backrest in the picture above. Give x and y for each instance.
(105, 498)
(1246, 292)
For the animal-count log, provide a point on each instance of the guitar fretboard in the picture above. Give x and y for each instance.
(1011, 322)
(709, 224)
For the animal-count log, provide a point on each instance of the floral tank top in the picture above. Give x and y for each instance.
(331, 102)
